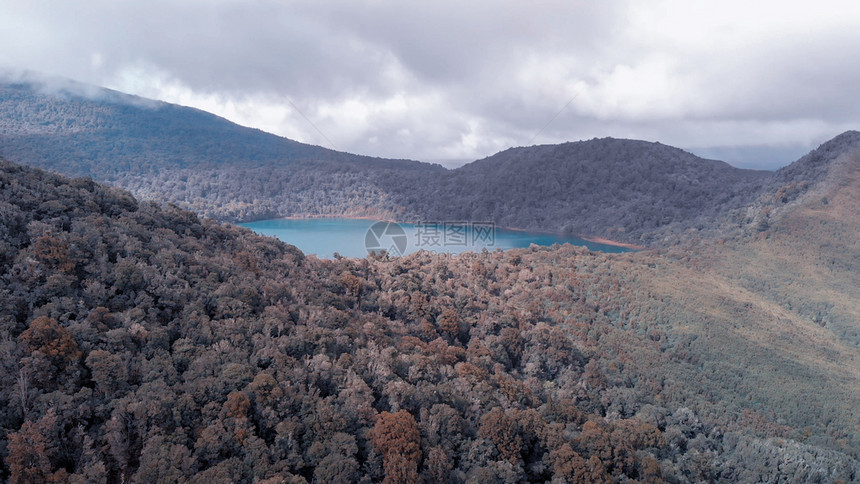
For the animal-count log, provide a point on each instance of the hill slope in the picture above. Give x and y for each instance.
(623, 189)
(139, 343)
(186, 156)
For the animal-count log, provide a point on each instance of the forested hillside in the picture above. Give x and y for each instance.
(139, 343)
(186, 156)
(632, 191)
(623, 189)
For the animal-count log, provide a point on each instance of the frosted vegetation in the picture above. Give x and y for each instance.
(139, 343)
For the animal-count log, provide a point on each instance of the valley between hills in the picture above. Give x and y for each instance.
(144, 341)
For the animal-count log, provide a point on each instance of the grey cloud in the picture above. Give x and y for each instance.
(462, 41)
(492, 73)
(755, 157)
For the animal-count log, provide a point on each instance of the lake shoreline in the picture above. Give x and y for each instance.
(587, 238)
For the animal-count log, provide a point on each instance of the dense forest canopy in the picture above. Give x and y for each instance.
(140, 343)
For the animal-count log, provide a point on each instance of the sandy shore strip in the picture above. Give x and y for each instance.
(355, 217)
(601, 240)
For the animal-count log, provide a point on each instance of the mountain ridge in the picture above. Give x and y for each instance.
(632, 191)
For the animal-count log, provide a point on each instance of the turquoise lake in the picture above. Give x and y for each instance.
(357, 237)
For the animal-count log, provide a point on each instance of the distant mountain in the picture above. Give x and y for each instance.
(621, 189)
(627, 190)
(817, 165)
(101, 125)
(186, 156)
(813, 172)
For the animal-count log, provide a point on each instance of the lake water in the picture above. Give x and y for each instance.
(356, 237)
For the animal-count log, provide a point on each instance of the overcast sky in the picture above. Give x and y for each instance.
(759, 80)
